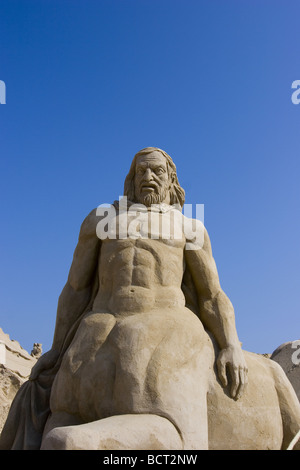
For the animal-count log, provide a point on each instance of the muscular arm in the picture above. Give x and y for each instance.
(216, 310)
(217, 314)
(76, 294)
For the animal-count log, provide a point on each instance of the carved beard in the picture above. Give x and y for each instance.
(153, 197)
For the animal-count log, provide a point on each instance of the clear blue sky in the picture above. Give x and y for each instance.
(89, 83)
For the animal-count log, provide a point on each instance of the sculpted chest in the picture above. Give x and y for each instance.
(140, 223)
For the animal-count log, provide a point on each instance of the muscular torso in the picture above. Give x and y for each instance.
(144, 270)
(139, 275)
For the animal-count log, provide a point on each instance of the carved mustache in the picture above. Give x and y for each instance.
(149, 185)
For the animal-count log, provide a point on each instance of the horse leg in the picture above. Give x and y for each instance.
(289, 405)
(121, 432)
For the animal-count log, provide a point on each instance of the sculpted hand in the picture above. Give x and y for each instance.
(46, 361)
(232, 359)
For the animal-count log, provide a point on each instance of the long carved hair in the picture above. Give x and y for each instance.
(177, 193)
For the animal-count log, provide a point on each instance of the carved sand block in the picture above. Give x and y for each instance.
(145, 353)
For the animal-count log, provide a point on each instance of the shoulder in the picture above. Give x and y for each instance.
(196, 234)
(88, 226)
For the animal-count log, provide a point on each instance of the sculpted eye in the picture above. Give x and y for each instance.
(159, 171)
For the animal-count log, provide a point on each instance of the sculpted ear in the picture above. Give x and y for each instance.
(172, 178)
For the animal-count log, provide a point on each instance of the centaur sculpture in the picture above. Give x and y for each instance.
(145, 352)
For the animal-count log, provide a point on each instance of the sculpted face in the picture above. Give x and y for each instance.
(151, 181)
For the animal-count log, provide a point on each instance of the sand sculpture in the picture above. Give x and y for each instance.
(145, 353)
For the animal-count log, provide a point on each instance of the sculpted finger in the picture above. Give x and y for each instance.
(242, 384)
(235, 381)
(222, 372)
(243, 381)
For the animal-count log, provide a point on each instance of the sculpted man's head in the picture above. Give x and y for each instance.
(152, 179)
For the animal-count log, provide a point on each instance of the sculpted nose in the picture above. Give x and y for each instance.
(148, 175)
